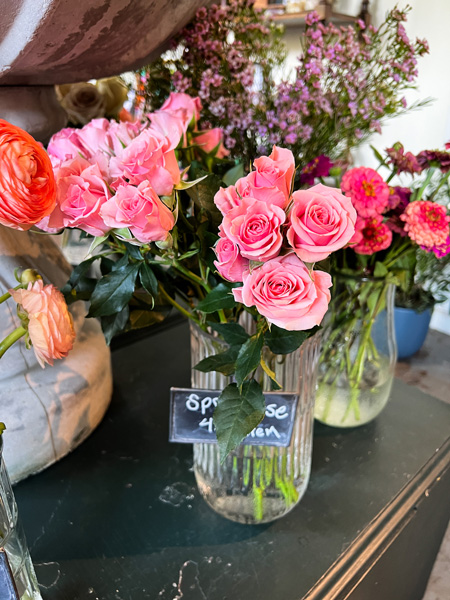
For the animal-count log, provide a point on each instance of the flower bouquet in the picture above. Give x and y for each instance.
(173, 223)
(395, 226)
(347, 80)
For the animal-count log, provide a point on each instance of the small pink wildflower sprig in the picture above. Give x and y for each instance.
(271, 236)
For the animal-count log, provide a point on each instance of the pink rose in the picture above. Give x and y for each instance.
(322, 220)
(81, 191)
(147, 158)
(276, 170)
(255, 227)
(286, 293)
(184, 106)
(368, 191)
(93, 137)
(170, 125)
(64, 145)
(141, 210)
(211, 139)
(227, 199)
(230, 264)
(50, 325)
(246, 187)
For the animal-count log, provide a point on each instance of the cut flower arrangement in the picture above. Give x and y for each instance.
(212, 252)
(395, 226)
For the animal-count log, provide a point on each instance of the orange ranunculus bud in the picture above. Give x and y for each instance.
(27, 183)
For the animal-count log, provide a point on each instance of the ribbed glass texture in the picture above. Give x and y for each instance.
(258, 484)
(12, 539)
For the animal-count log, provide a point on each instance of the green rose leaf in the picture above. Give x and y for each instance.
(232, 333)
(249, 357)
(78, 273)
(148, 279)
(224, 362)
(114, 324)
(238, 412)
(219, 297)
(113, 292)
(233, 175)
(281, 341)
(380, 270)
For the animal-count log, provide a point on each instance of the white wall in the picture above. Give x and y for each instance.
(429, 127)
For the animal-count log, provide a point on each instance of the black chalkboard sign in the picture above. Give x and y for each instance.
(8, 589)
(191, 418)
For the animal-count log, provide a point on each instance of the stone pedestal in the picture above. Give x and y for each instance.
(47, 412)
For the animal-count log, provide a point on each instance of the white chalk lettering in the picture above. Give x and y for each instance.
(281, 412)
(272, 431)
(192, 403)
(208, 423)
(206, 403)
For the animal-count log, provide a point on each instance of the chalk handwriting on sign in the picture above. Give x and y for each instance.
(192, 418)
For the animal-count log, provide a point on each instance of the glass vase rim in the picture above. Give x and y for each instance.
(217, 338)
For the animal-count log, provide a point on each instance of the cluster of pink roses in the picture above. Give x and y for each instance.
(269, 232)
(113, 175)
(383, 210)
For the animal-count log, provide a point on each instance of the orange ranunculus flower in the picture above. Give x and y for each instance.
(27, 183)
(50, 326)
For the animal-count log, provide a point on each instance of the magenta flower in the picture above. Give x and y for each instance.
(404, 162)
(319, 167)
(376, 236)
(426, 223)
(440, 251)
(434, 158)
(367, 190)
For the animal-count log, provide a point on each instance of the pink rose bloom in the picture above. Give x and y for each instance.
(170, 125)
(93, 137)
(81, 191)
(276, 170)
(230, 264)
(147, 158)
(64, 145)
(50, 324)
(368, 191)
(210, 139)
(255, 227)
(121, 135)
(286, 293)
(227, 199)
(141, 210)
(184, 106)
(322, 220)
(426, 223)
(376, 236)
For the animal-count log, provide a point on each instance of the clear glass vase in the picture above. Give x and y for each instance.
(258, 484)
(359, 352)
(12, 539)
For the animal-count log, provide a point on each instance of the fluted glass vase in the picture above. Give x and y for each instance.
(12, 539)
(258, 484)
(359, 352)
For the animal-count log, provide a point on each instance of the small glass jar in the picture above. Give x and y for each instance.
(12, 539)
(359, 352)
(258, 484)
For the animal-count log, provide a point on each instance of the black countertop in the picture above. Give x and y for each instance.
(121, 518)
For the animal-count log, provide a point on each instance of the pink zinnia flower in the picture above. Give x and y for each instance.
(367, 190)
(426, 223)
(376, 236)
(440, 251)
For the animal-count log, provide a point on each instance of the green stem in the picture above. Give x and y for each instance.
(11, 339)
(8, 295)
(442, 182)
(175, 304)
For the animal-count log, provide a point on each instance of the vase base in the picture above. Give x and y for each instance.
(333, 405)
(251, 508)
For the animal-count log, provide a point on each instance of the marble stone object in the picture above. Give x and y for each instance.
(62, 41)
(47, 412)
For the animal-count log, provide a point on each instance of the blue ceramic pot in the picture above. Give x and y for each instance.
(411, 328)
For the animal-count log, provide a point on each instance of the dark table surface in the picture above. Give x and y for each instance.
(121, 518)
